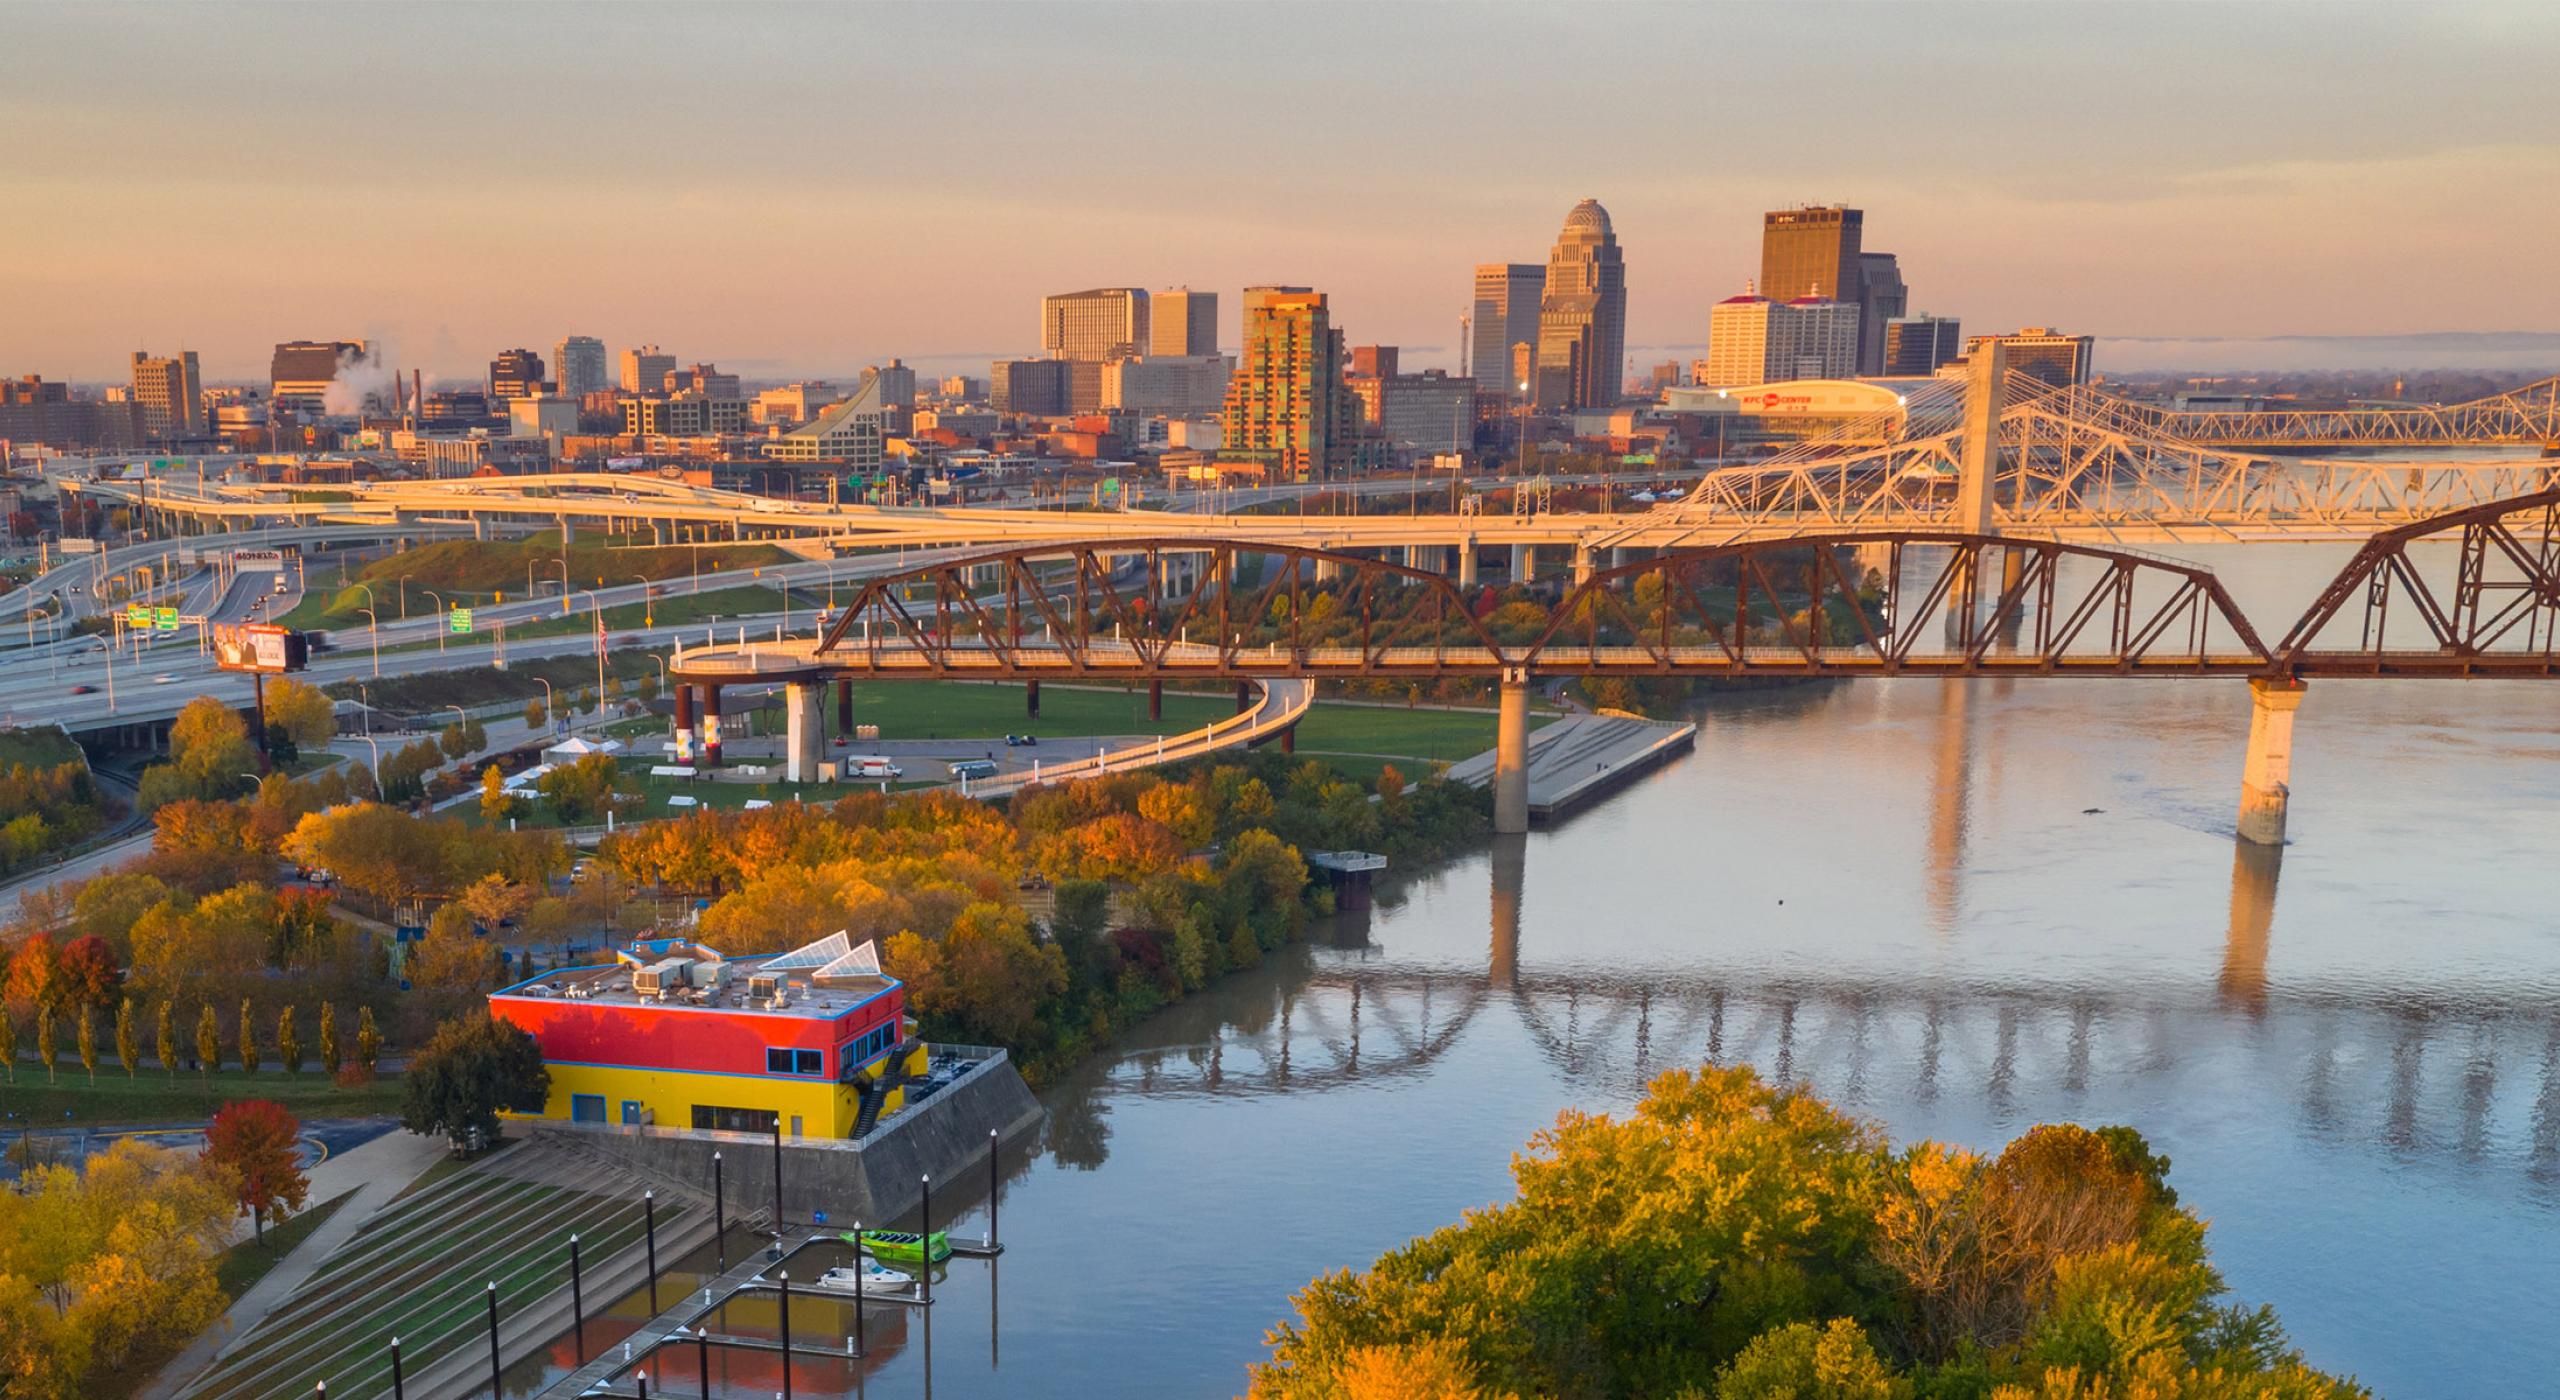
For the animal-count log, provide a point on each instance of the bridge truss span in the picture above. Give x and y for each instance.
(2499, 617)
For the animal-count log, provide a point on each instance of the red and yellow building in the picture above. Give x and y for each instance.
(676, 1035)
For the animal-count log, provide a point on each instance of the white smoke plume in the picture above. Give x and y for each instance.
(363, 385)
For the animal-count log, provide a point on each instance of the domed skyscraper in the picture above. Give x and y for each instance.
(1582, 320)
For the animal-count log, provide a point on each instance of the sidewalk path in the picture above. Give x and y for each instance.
(369, 1176)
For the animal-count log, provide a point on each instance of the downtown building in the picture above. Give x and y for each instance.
(578, 367)
(1502, 326)
(302, 372)
(1919, 345)
(2043, 353)
(1183, 322)
(1171, 386)
(645, 370)
(515, 374)
(1289, 409)
(1088, 330)
(1582, 316)
(169, 393)
(1754, 339)
(853, 433)
(1818, 251)
(1030, 388)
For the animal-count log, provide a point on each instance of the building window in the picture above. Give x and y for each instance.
(794, 1061)
(713, 1118)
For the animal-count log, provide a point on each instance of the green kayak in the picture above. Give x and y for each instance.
(903, 1246)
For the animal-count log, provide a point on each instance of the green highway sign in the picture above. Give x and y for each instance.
(137, 615)
(164, 619)
(461, 620)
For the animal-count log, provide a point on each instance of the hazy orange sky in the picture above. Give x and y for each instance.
(809, 189)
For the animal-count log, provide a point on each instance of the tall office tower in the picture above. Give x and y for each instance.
(1881, 298)
(170, 393)
(515, 374)
(1809, 252)
(1105, 323)
(2057, 359)
(1917, 345)
(1753, 339)
(1288, 406)
(1506, 314)
(1582, 319)
(897, 383)
(1175, 386)
(1821, 339)
(645, 370)
(1185, 323)
(1738, 335)
(578, 366)
(303, 370)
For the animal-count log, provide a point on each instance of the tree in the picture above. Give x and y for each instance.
(33, 971)
(987, 978)
(368, 1040)
(208, 1042)
(535, 717)
(87, 974)
(248, 1028)
(332, 1055)
(86, 1037)
(584, 790)
(496, 803)
(44, 1040)
(257, 1141)
(453, 743)
(9, 1042)
(128, 1040)
(471, 1070)
(166, 1040)
(303, 711)
(493, 901)
(288, 1042)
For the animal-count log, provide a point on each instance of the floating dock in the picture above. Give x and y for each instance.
(1582, 758)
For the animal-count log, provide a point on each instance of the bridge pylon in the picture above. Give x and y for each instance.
(2266, 781)
(1511, 754)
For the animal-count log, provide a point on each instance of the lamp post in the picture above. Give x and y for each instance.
(550, 706)
(439, 616)
(595, 609)
(648, 601)
(373, 629)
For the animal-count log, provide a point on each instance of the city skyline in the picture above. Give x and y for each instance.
(2197, 201)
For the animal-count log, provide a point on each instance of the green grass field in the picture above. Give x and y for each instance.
(153, 1095)
(484, 571)
(247, 1262)
(42, 747)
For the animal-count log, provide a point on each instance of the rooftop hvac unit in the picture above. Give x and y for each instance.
(710, 974)
(761, 986)
(659, 976)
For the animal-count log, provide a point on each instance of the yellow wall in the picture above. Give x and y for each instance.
(824, 1109)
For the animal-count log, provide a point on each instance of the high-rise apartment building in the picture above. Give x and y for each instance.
(170, 393)
(578, 366)
(1505, 317)
(1288, 407)
(1917, 345)
(1881, 298)
(645, 370)
(1428, 412)
(515, 374)
(1582, 318)
(1104, 323)
(300, 375)
(1184, 322)
(2057, 359)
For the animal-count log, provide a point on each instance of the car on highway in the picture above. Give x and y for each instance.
(164, 680)
(1022, 741)
(84, 690)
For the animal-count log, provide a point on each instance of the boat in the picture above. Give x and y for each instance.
(868, 1278)
(904, 1246)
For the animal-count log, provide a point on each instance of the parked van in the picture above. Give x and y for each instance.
(974, 768)
(873, 766)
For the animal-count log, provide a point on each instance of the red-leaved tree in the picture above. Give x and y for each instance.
(258, 1140)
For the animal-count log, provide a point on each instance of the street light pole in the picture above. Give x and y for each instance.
(373, 629)
(439, 616)
(595, 609)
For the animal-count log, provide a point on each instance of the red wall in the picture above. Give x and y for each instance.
(684, 1038)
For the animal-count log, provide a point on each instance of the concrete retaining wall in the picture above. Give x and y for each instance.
(875, 1180)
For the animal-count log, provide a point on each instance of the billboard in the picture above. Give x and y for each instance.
(258, 561)
(259, 647)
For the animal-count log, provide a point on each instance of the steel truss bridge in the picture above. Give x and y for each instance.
(1849, 603)
(2523, 416)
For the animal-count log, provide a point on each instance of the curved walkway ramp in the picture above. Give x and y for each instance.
(1279, 707)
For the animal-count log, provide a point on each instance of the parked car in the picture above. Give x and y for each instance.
(1022, 741)
(84, 690)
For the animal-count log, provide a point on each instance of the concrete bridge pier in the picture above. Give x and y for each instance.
(711, 726)
(1511, 755)
(1328, 570)
(802, 703)
(684, 723)
(1244, 696)
(2266, 782)
(1155, 699)
(1524, 562)
(1582, 564)
(568, 531)
(844, 709)
(1467, 563)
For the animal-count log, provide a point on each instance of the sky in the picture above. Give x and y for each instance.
(793, 190)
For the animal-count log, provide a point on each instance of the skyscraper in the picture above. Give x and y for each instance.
(2057, 359)
(170, 393)
(515, 374)
(578, 364)
(1185, 323)
(1104, 323)
(897, 382)
(300, 376)
(1288, 406)
(1506, 315)
(1915, 345)
(645, 370)
(1808, 252)
(1582, 318)
(1881, 297)
(1753, 339)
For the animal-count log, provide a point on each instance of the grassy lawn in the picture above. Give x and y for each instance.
(485, 571)
(247, 1262)
(742, 601)
(960, 709)
(152, 1095)
(484, 685)
(42, 747)
(1444, 736)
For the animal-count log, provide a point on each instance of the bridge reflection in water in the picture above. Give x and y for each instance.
(2463, 1078)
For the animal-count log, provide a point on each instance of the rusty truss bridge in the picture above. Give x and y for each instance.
(2524, 416)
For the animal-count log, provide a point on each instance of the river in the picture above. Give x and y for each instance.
(1959, 909)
